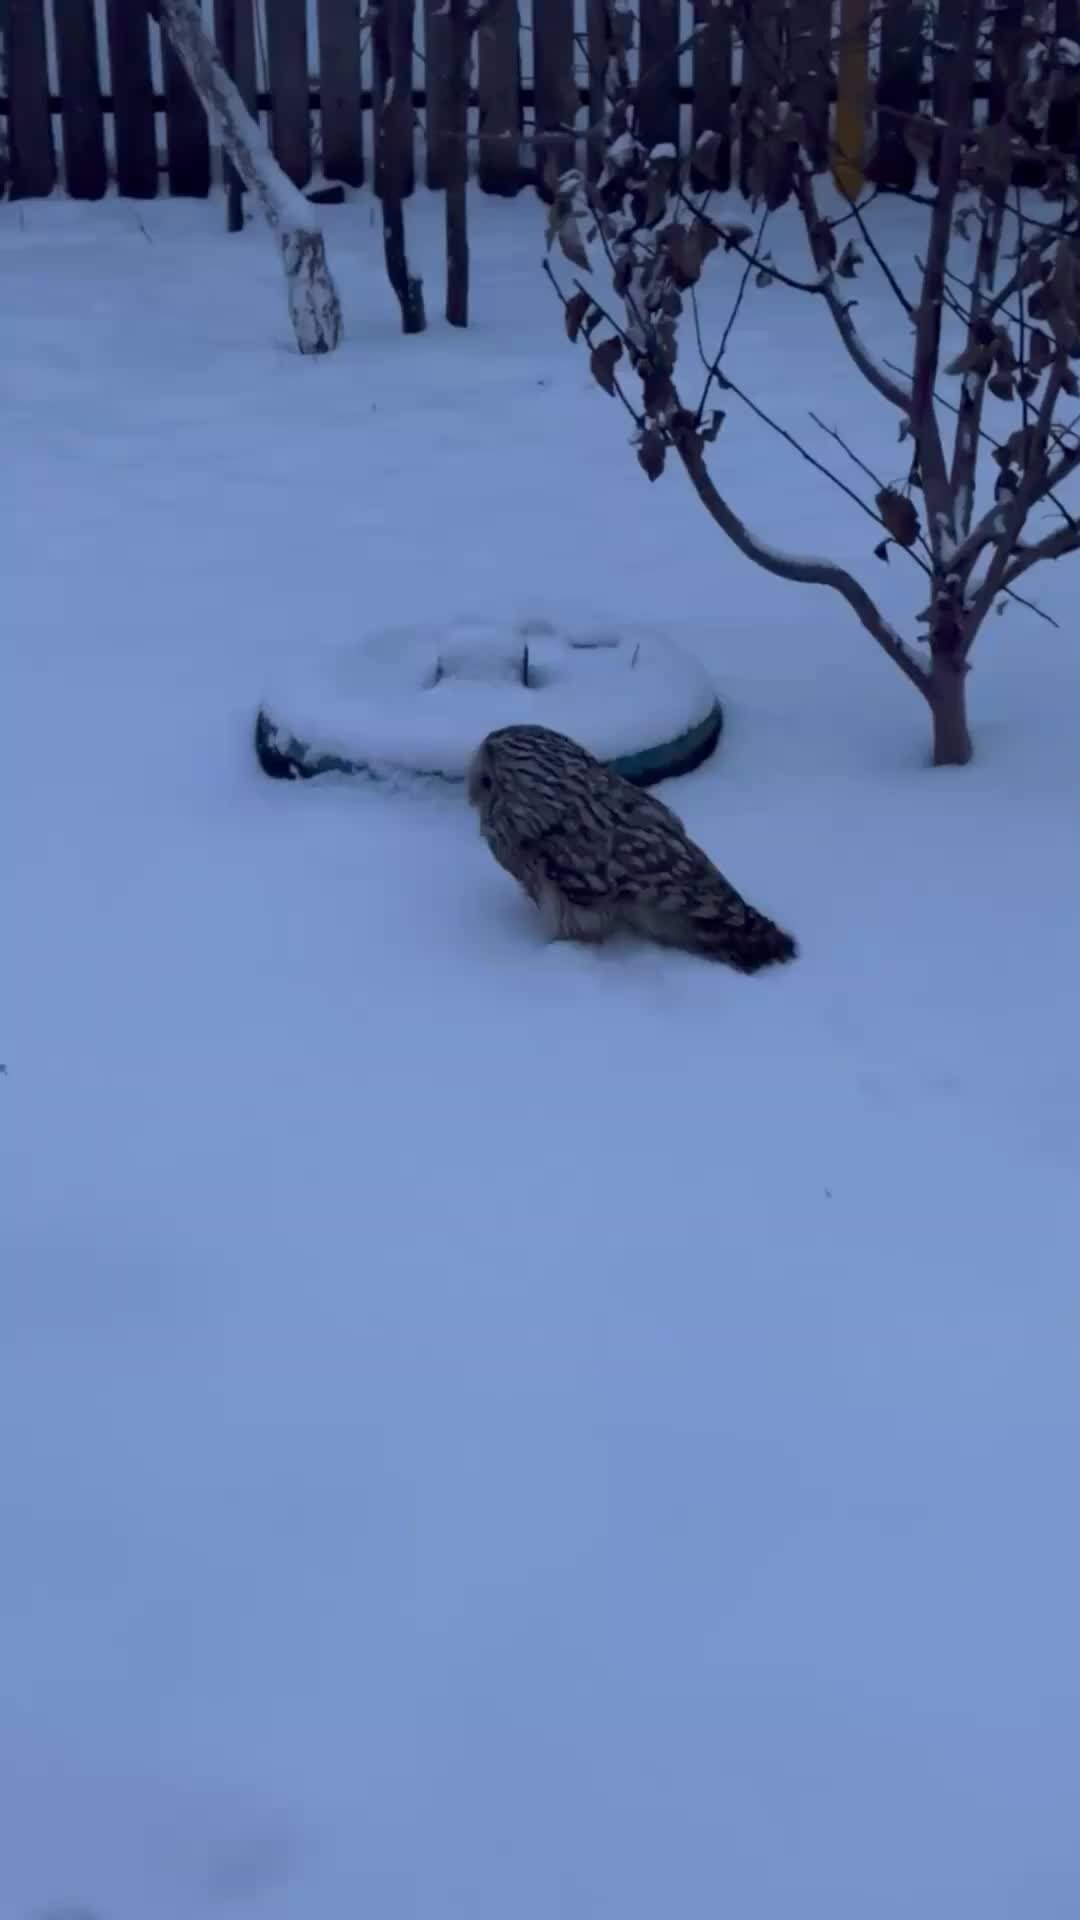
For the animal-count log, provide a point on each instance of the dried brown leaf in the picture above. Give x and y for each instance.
(734, 235)
(1042, 303)
(709, 151)
(975, 358)
(574, 314)
(603, 360)
(1040, 351)
(570, 240)
(660, 180)
(687, 248)
(849, 262)
(657, 393)
(899, 515)
(1002, 386)
(1017, 447)
(716, 421)
(652, 453)
(1031, 267)
(772, 170)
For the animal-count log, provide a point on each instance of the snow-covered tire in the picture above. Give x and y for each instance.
(418, 700)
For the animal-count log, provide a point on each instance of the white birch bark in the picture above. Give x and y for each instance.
(314, 305)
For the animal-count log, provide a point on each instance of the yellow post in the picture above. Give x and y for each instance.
(852, 90)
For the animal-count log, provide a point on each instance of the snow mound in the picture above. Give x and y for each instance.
(422, 697)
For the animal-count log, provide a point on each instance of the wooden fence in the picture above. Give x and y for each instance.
(91, 93)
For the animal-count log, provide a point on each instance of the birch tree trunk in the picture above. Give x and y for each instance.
(314, 305)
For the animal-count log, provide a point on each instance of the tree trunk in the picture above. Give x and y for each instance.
(392, 45)
(948, 705)
(457, 165)
(313, 299)
(234, 186)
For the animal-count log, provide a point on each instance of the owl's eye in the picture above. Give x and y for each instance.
(485, 782)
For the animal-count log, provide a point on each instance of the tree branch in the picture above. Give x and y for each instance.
(712, 368)
(1054, 547)
(787, 566)
(818, 465)
(1033, 487)
(973, 387)
(960, 72)
(840, 309)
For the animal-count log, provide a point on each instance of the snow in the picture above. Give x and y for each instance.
(422, 697)
(489, 1429)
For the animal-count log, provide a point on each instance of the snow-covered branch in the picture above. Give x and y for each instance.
(823, 247)
(803, 571)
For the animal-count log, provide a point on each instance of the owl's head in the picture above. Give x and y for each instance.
(480, 779)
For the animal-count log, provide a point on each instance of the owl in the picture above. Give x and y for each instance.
(595, 853)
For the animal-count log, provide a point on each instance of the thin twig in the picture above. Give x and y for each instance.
(587, 331)
(880, 484)
(942, 400)
(818, 465)
(713, 368)
(872, 247)
(725, 231)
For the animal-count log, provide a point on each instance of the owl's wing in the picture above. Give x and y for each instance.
(653, 858)
(576, 859)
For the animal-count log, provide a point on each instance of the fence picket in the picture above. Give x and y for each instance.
(82, 116)
(658, 86)
(898, 94)
(290, 115)
(33, 156)
(596, 27)
(399, 34)
(760, 55)
(499, 93)
(436, 54)
(1063, 122)
(553, 81)
(340, 92)
(132, 86)
(187, 141)
(810, 31)
(712, 89)
(795, 33)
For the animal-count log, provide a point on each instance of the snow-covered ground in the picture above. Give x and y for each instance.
(492, 1431)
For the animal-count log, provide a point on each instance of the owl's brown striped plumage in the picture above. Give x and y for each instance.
(596, 853)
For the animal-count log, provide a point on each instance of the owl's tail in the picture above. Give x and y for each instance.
(746, 942)
(723, 928)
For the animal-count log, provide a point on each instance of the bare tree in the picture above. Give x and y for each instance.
(392, 40)
(1008, 277)
(313, 299)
